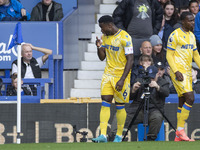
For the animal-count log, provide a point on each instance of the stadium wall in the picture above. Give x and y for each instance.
(47, 123)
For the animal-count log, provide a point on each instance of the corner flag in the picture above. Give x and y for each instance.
(17, 36)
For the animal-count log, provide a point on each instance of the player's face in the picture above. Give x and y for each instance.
(106, 28)
(194, 8)
(157, 48)
(146, 48)
(169, 10)
(27, 53)
(188, 23)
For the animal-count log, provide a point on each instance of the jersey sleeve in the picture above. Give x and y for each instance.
(194, 43)
(127, 44)
(172, 41)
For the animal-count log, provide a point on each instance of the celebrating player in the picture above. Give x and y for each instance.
(118, 51)
(181, 49)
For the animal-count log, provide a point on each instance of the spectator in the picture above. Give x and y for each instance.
(12, 90)
(47, 10)
(194, 7)
(158, 54)
(162, 2)
(169, 20)
(12, 10)
(135, 16)
(180, 3)
(195, 81)
(180, 11)
(145, 49)
(30, 67)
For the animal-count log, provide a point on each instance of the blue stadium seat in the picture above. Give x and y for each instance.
(160, 136)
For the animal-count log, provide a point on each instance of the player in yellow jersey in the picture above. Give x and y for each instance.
(116, 47)
(181, 50)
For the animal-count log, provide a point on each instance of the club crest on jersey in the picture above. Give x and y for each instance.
(171, 39)
(128, 43)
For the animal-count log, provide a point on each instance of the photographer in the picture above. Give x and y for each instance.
(159, 90)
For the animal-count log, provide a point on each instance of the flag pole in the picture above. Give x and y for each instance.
(19, 94)
(17, 39)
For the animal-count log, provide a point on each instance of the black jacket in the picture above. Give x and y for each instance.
(12, 92)
(34, 65)
(155, 96)
(123, 13)
(37, 13)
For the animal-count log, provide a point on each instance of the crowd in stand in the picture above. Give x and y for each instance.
(46, 10)
(154, 21)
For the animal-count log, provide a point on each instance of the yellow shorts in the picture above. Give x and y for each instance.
(108, 88)
(182, 86)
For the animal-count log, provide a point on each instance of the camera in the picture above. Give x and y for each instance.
(145, 79)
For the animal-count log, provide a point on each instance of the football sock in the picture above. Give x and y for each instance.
(104, 117)
(185, 110)
(178, 116)
(121, 118)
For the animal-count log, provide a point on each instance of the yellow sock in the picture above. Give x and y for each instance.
(184, 114)
(104, 117)
(178, 116)
(121, 118)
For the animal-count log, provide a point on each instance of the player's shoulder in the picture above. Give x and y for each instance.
(124, 34)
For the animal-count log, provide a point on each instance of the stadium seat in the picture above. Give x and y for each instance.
(160, 136)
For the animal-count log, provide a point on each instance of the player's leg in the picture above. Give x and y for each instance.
(106, 96)
(185, 111)
(121, 98)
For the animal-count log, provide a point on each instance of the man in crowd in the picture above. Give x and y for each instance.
(12, 10)
(31, 67)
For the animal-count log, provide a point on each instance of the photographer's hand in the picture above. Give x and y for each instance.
(136, 86)
(154, 84)
(119, 85)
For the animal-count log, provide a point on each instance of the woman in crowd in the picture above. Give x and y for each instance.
(169, 20)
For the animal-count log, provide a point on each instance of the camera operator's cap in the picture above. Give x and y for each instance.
(152, 71)
(155, 40)
(195, 67)
(160, 65)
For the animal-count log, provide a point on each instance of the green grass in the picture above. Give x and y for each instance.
(105, 146)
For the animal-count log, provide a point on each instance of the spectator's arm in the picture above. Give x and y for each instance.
(197, 27)
(14, 68)
(59, 13)
(158, 17)
(119, 13)
(46, 52)
(196, 58)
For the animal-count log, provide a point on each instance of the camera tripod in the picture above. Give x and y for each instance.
(145, 103)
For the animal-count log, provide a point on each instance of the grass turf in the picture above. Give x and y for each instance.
(170, 145)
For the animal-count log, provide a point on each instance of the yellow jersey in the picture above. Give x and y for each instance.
(117, 46)
(183, 43)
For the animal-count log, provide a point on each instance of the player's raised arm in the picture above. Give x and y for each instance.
(100, 50)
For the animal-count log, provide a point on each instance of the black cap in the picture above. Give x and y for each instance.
(160, 65)
(152, 71)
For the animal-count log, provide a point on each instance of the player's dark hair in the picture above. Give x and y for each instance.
(106, 19)
(184, 15)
